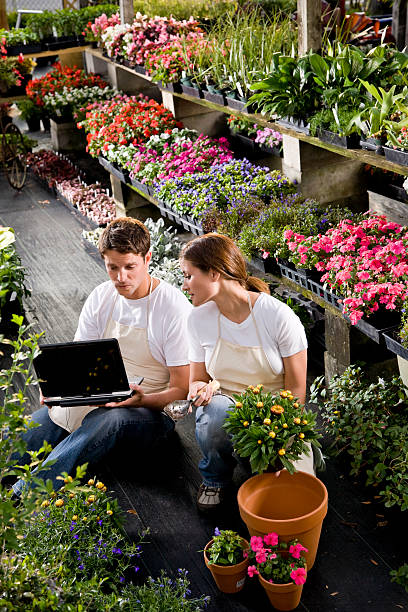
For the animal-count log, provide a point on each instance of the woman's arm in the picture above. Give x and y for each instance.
(295, 368)
(199, 378)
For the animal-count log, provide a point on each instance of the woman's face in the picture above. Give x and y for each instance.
(197, 283)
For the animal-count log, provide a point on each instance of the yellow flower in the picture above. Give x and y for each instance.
(272, 434)
(301, 435)
(71, 495)
(259, 387)
(245, 423)
(304, 422)
(259, 405)
(75, 517)
(84, 518)
(296, 405)
(109, 512)
(259, 441)
(91, 498)
(267, 421)
(91, 482)
(285, 425)
(284, 394)
(238, 405)
(336, 412)
(255, 391)
(277, 409)
(68, 479)
(251, 388)
(276, 427)
(281, 452)
(104, 489)
(99, 485)
(53, 494)
(59, 503)
(45, 503)
(296, 421)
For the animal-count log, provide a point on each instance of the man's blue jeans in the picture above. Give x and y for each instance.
(217, 464)
(130, 429)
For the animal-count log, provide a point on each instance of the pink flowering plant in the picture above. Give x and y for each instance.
(365, 262)
(181, 157)
(268, 137)
(277, 562)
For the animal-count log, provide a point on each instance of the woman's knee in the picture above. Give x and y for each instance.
(211, 418)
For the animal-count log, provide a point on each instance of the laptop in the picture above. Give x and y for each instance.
(83, 373)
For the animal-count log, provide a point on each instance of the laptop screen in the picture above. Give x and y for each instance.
(83, 368)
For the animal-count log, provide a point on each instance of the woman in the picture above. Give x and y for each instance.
(238, 335)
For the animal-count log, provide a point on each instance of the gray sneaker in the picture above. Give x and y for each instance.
(209, 498)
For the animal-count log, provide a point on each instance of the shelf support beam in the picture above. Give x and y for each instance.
(309, 25)
(127, 12)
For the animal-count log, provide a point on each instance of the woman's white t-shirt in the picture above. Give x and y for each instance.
(167, 328)
(281, 332)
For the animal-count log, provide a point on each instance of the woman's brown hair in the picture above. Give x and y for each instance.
(221, 254)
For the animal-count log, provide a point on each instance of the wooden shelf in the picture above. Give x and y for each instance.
(365, 157)
(68, 51)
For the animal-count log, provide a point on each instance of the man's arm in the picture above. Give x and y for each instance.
(178, 389)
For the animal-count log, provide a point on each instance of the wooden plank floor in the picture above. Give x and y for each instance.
(355, 554)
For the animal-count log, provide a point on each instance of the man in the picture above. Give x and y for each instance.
(148, 318)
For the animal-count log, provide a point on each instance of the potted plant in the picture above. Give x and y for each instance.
(280, 567)
(397, 142)
(226, 556)
(31, 113)
(332, 125)
(12, 278)
(274, 431)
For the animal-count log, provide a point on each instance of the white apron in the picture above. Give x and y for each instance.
(138, 360)
(235, 367)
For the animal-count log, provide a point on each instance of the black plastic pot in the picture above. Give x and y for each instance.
(245, 141)
(46, 123)
(120, 173)
(24, 49)
(372, 144)
(192, 91)
(216, 98)
(139, 69)
(172, 87)
(33, 124)
(346, 142)
(235, 103)
(393, 344)
(300, 125)
(396, 155)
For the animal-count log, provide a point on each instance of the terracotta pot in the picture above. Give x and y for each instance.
(282, 596)
(228, 578)
(293, 506)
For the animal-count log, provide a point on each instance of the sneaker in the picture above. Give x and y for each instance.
(209, 498)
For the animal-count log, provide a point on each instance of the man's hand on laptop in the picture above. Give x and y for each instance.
(135, 400)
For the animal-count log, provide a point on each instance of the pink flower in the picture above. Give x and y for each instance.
(296, 549)
(256, 543)
(260, 556)
(265, 255)
(252, 571)
(298, 575)
(271, 539)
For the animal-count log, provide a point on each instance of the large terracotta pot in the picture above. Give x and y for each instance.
(282, 596)
(228, 578)
(293, 506)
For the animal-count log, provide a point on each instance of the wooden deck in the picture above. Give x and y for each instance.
(355, 553)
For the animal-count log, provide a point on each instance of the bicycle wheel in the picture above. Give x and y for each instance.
(14, 156)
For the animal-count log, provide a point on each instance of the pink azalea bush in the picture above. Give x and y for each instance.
(277, 562)
(366, 262)
(177, 159)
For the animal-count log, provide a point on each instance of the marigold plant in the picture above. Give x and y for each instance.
(272, 430)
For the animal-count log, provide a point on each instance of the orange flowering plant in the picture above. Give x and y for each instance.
(272, 430)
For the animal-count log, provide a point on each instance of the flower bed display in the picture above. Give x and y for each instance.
(365, 263)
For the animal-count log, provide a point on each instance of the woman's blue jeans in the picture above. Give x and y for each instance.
(129, 429)
(217, 464)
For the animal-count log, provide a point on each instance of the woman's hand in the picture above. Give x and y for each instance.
(204, 390)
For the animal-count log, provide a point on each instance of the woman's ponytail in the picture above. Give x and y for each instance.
(257, 285)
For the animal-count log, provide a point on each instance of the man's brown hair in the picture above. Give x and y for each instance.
(125, 235)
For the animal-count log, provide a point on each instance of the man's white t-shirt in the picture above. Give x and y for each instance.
(281, 332)
(168, 313)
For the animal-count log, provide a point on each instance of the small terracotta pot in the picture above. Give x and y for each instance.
(228, 578)
(282, 596)
(293, 506)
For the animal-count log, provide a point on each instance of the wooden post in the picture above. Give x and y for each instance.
(400, 23)
(3, 15)
(309, 23)
(127, 12)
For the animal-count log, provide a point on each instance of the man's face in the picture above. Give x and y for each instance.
(128, 272)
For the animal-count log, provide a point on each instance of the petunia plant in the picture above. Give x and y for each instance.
(272, 430)
(277, 562)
